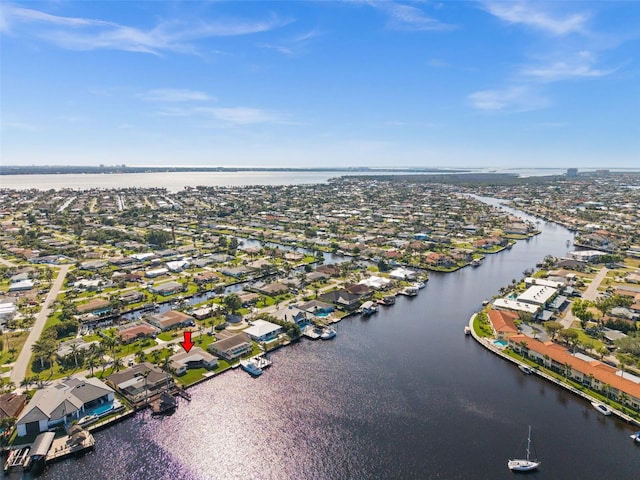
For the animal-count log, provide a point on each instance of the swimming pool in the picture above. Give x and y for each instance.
(500, 343)
(101, 409)
(322, 315)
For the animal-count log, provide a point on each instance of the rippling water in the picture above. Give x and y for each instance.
(403, 394)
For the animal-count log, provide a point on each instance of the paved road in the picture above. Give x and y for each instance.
(19, 369)
(591, 293)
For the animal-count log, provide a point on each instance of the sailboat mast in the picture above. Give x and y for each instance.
(528, 442)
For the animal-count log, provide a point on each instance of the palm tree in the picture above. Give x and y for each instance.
(117, 364)
(39, 349)
(24, 383)
(74, 351)
(91, 363)
(567, 370)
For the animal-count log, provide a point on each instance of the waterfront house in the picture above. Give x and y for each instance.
(342, 299)
(170, 319)
(591, 372)
(132, 296)
(502, 323)
(292, 314)
(402, 274)
(515, 305)
(62, 403)
(194, 358)
(141, 381)
(231, 346)
(316, 307)
(539, 295)
(263, 331)
(98, 306)
(205, 277)
(166, 289)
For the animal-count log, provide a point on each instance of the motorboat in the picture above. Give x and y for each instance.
(467, 330)
(525, 464)
(636, 437)
(87, 419)
(524, 369)
(328, 333)
(601, 408)
(251, 367)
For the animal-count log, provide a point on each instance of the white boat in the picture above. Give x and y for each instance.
(636, 437)
(467, 330)
(251, 367)
(420, 285)
(87, 419)
(524, 369)
(527, 464)
(603, 409)
(328, 333)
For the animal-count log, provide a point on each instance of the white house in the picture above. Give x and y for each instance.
(263, 331)
(402, 274)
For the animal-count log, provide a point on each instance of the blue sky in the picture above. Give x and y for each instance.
(320, 84)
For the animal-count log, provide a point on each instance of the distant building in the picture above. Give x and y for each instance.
(572, 172)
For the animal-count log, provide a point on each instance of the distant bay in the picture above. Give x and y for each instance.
(175, 181)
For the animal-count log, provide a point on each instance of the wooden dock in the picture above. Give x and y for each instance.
(78, 442)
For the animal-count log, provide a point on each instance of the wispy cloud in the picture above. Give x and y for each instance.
(538, 16)
(408, 17)
(90, 34)
(172, 95)
(510, 99)
(580, 66)
(27, 127)
(228, 115)
(293, 46)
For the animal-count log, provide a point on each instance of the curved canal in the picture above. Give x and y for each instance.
(403, 394)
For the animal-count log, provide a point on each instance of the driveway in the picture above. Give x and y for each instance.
(19, 369)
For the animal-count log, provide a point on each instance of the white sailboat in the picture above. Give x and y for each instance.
(524, 465)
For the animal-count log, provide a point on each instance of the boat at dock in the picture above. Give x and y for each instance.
(87, 420)
(411, 291)
(420, 285)
(525, 464)
(485, 302)
(467, 330)
(328, 333)
(524, 369)
(601, 408)
(368, 308)
(387, 300)
(476, 263)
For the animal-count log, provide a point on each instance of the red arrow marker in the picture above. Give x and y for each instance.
(187, 344)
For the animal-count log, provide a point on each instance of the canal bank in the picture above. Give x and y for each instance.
(487, 342)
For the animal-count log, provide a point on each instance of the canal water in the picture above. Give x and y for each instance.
(400, 395)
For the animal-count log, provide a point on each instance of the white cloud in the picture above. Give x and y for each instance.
(243, 115)
(90, 34)
(534, 14)
(581, 66)
(408, 17)
(228, 115)
(294, 45)
(171, 95)
(511, 99)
